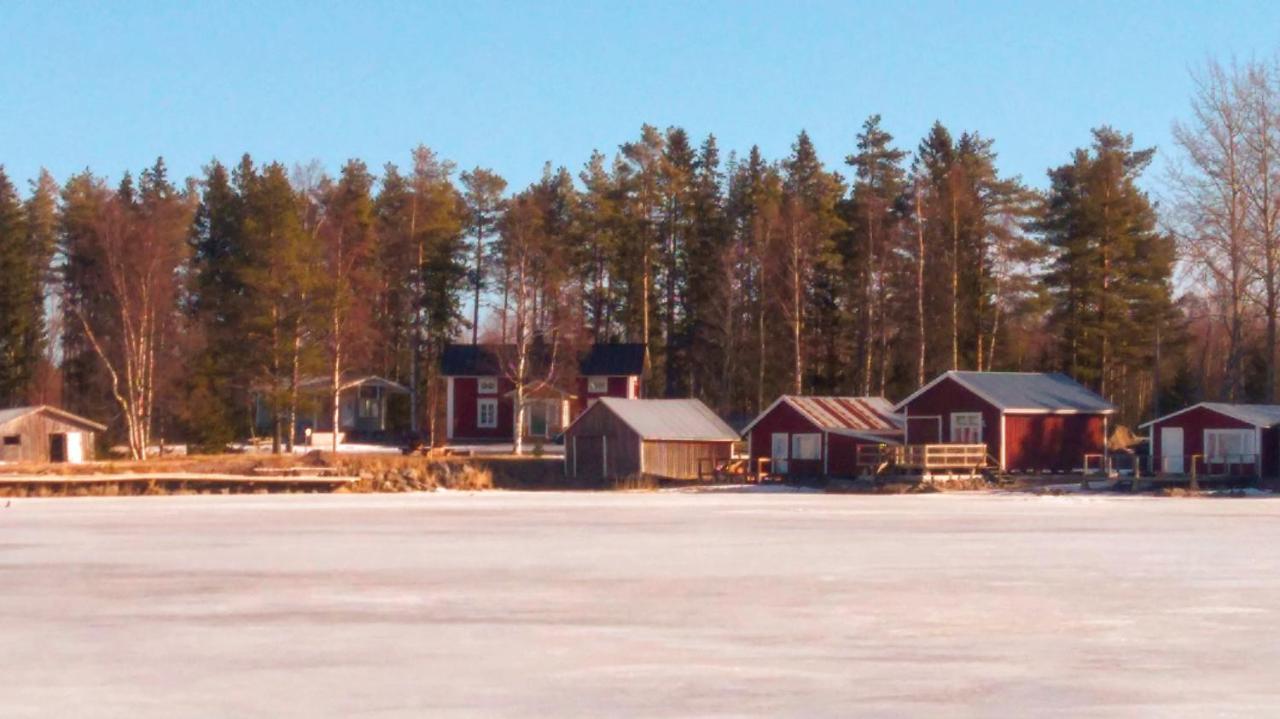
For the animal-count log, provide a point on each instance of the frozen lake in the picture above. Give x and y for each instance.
(664, 604)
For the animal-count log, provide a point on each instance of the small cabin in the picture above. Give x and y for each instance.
(1220, 438)
(663, 438)
(370, 409)
(1029, 421)
(610, 370)
(46, 434)
(819, 436)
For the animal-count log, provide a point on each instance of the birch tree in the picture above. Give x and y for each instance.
(130, 260)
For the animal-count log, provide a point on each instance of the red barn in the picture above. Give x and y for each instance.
(1030, 421)
(1226, 438)
(610, 370)
(819, 436)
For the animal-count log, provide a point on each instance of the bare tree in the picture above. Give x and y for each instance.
(137, 244)
(1212, 203)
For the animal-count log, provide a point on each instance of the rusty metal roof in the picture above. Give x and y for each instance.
(858, 414)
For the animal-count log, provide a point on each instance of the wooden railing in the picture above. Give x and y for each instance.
(924, 457)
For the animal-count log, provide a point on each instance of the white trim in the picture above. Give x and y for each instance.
(604, 456)
(595, 377)
(826, 453)
(781, 398)
(951, 425)
(640, 454)
(480, 389)
(936, 417)
(480, 403)
(1204, 441)
(449, 417)
(805, 437)
(1004, 435)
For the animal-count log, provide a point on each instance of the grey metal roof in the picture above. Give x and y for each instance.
(673, 419)
(12, 413)
(1258, 415)
(1026, 391)
(1034, 391)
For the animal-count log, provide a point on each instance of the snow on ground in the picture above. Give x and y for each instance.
(640, 604)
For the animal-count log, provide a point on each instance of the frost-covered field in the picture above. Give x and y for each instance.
(667, 604)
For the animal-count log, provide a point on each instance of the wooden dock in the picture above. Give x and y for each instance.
(317, 481)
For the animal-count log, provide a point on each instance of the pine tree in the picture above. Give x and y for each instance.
(1110, 276)
(20, 310)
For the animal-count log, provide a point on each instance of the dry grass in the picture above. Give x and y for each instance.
(635, 482)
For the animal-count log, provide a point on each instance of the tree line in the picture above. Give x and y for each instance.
(170, 305)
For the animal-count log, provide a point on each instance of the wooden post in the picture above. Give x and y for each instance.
(1195, 485)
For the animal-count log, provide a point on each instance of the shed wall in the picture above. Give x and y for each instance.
(1051, 442)
(601, 446)
(33, 431)
(679, 460)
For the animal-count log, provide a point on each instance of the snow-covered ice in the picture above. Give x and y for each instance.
(639, 604)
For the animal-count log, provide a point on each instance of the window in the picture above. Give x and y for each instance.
(806, 446)
(966, 427)
(1229, 445)
(12, 440)
(370, 406)
(597, 385)
(487, 385)
(487, 413)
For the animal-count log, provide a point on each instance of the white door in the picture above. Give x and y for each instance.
(778, 458)
(75, 447)
(1171, 450)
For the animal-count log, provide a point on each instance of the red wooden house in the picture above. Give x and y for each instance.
(819, 436)
(1222, 438)
(476, 403)
(610, 370)
(1030, 421)
(480, 396)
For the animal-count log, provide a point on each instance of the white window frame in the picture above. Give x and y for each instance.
(798, 449)
(597, 384)
(956, 417)
(486, 385)
(1213, 442)
(481, 404)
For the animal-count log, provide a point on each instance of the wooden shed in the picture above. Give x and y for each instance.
(664, 438)
(46, 434)
(1030, 421)
(1220, 438)
(819, 436)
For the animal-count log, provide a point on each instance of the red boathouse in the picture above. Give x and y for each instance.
(819, 436)
(1221, 438)
(1030, 421)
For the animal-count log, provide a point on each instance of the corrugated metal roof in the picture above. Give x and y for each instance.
(673, 419)
(1027, 391)
(12, 413)
(1261, 415)
(857, 413)
(1258, 415)
(8, 415)
(613, 359)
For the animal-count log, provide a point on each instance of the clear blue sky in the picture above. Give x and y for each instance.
(510, 86)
